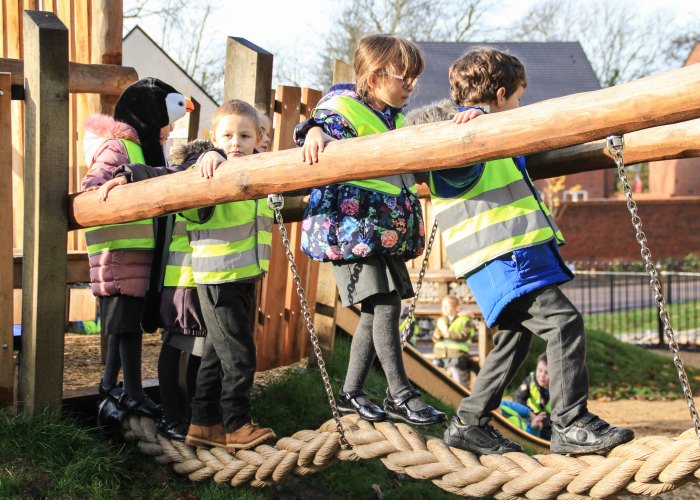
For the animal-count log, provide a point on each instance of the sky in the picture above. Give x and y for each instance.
(295, 28)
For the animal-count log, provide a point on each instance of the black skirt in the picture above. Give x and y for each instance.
(121, 314)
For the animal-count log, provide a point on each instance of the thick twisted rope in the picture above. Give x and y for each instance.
(645, 466)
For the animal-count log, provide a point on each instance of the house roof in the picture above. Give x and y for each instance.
(554, 69)
(137, 28)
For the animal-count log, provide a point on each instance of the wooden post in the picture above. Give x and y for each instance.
(342, 72)
(246, 58)
(7, 367)
(106, 45)
(46, 182)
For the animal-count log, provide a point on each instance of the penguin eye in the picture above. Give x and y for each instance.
(180, 103)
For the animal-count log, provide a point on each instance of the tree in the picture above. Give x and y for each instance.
(417, 20)
(620, 44)
(182, 34)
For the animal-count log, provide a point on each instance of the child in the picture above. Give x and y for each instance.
(368, 229)
(533, 393)
(512, 264)
(120, 255)
(452, 339)
(230, 252)
(264, 143)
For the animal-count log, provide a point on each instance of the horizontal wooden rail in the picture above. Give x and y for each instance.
(675, 141)
(668, 97)
(105, 79)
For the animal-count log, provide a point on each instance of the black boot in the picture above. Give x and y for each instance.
(588, 434)
(358, 402)
(173, 430)
(398, 409)
(481, 439)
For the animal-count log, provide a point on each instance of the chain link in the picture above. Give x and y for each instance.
(616, 146)
(409, 319)
(276, 202)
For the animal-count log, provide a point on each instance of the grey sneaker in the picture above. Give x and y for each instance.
(588, 434)
(481, 439)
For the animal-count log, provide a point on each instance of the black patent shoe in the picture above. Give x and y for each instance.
(173, 430)
(146, 407)
(588, 434)
(481, 439)
(114, 391)
(398, 409)
(358, 402)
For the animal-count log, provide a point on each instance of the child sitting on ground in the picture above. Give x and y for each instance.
(502, 238)
(531, 401)
(452, 339)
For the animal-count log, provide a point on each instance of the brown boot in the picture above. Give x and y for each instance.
(248, 436)
(206, 435)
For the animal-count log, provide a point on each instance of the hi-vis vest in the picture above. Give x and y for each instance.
(513, 417)
(497, 215)
(534, 400)
(234, 244)
(457, 326)
(366, 122)
(178, 270)
(136, 235)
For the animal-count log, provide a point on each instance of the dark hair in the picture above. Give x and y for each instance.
(542, 357)
(478, 74)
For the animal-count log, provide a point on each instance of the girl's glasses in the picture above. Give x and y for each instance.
(408, 81)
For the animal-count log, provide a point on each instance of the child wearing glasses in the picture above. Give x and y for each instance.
(368, 229)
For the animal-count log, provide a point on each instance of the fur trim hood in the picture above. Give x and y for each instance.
(180, 154)
(101, 128)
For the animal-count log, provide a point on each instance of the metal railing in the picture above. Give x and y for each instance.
(615, 298)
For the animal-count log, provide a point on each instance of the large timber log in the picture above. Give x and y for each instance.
(106, 79)
(668, 97)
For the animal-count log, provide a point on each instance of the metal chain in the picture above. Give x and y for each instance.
(616, 146)
(409, 320)
(276, 202)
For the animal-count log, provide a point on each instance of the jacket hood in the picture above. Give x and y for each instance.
(101, 128)
(180, 154)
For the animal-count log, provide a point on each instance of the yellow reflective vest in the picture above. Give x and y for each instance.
(461, 331)
(496, 215)
(534, 400)
(365, 122)
(136, 235)
(233, 245)
(178, 269)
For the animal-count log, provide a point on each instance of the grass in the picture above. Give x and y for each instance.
(53, 456)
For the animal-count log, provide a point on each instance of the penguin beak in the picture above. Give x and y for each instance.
(189, 107)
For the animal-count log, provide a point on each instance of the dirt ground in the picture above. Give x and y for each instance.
(83, 369)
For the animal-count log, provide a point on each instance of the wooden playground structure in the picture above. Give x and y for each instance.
(48, 86)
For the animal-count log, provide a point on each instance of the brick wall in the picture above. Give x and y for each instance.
(601, 229)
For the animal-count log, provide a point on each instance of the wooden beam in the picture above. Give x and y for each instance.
(7, 366)
(244, 57)
(343, 72)
(46, 189)
(675, 141)
(106, 26)
(660, 99)
(107, 79)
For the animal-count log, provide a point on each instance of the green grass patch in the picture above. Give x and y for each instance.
(617, 370)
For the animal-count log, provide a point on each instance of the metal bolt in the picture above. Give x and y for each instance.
(2, 93)
(5, 347)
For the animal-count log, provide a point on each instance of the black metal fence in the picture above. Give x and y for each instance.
(616, 298)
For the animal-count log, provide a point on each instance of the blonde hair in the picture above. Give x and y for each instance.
(478, 74)
(235, 107)
(379, 53)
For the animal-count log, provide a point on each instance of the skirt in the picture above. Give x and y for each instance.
(120, 314)
(358, 280)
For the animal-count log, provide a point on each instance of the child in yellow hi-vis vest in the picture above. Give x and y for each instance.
(452, 339)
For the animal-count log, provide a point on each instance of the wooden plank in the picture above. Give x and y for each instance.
(325, 307)
(342, 72)
(13, 49)
(82, 304)
(44, 272)
(664, 98)
(78, 270)
(247, 58)
(7, 373)
(3, 26)
(107, 79)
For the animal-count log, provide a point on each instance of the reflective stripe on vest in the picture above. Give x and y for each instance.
(178, 270)
(136, 235)
(455, 327)
(234, 244)
(534, 400)
(366, 122)
(497, 215)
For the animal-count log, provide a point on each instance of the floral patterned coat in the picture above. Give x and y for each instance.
(344, 222)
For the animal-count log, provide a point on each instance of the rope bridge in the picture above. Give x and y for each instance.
(645, 466)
